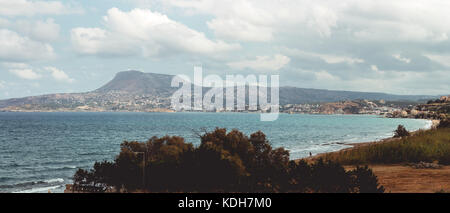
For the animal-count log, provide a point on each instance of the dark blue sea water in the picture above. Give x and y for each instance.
(41, 151)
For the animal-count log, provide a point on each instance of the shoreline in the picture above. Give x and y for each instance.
(353, 145)
(400, 177)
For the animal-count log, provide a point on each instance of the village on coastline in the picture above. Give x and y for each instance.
(433, 109)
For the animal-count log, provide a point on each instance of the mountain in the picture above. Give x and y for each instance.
(138, 91)
(294, 95)
(136, 82)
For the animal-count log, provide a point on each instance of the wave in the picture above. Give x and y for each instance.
(40, 189)
(55, 180)
(71, 167)
(33, 183)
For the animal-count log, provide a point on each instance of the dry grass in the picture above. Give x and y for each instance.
(427, 146)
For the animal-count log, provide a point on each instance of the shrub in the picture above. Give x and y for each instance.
(365, 181)
(401, 132)
(224, 162)
(330, 177)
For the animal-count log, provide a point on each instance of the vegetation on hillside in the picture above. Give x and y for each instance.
(223, 162)
(426, 146)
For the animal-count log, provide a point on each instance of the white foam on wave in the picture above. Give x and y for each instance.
(55, 180)
(429, 124)
(48, 182)
(41, 189)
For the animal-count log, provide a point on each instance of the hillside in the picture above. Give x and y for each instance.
(136, 82)
(294, 95)
(138, 91)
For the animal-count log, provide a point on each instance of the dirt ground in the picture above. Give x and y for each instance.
(405, 179)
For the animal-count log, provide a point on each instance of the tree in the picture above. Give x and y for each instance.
(329, 177)
(223, 162)
(365, 181)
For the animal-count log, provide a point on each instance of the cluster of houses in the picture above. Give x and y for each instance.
(437, 109)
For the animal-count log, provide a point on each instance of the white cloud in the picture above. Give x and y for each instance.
(41, 30)
(89, 40)
(28, 74)
(380, 73)
(441, 59)
(240, 30)
(4, 22)
(401, 58)
(322, 19)
(328, 58)
(256, 20)
(46, 30)
(374, 68)
(14, 47)
(30, 8)
(400, 20)
(13, 65)
(325, 76)
(262, 63)
(25, 71)
(146, 33)
(59, 75)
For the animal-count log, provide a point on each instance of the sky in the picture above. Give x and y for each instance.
(399, 46)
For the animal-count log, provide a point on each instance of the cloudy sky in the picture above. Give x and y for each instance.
(398, 46)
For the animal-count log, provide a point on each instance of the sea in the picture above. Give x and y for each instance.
(40, 151)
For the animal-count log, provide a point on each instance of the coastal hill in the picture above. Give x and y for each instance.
(294, 95)
(138, 91)
(136, 82)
